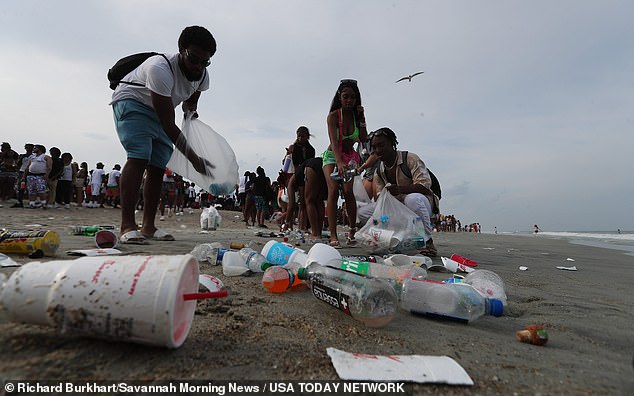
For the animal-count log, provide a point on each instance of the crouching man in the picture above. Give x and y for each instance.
(406, 178)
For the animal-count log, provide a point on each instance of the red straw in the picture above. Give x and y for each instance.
(205, 296)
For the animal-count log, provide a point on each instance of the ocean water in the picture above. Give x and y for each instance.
(603, 239)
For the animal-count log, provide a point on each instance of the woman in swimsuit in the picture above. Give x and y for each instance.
(346, 126)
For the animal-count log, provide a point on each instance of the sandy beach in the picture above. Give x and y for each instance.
(256, 335)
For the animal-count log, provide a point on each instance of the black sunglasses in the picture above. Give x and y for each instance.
(191, 58)
(348, 81)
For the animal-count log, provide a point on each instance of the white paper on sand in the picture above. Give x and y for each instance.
(573, 268)
(523, 268)
(6, 261)
(413, 368)
(93, 252)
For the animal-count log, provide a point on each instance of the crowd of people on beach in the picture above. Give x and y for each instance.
(314, 192)
(36, 179)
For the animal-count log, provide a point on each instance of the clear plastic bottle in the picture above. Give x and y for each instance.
(252, 259)
(369, 300)
(394, 275)
(281, 278)
(456, 301)
(488, 283)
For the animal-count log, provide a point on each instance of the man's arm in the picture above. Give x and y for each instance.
(191, 104)
(49, 165)
(165, 112)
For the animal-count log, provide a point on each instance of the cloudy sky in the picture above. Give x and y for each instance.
(525, 109)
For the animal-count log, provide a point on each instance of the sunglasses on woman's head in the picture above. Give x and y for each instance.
(378, 132)
(347, 81)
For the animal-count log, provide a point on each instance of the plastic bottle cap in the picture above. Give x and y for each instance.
(302, 273)
(496, 307)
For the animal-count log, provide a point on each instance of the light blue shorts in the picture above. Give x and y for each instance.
(140, 132)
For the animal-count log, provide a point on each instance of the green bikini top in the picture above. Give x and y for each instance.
(354, 135)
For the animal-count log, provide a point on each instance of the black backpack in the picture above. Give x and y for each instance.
(435, 184)
(125, 65)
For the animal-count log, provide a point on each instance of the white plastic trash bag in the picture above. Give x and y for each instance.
(210, 219)
(360, 193)
(211, 146)
(392, 228)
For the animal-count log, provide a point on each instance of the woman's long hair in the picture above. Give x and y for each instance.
(336, 100)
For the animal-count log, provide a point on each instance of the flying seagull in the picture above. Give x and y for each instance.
(409, 78)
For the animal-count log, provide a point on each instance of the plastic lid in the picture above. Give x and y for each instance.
(302, 273)
(496, 307)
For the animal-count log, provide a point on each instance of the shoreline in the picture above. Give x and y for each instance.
(256, 335)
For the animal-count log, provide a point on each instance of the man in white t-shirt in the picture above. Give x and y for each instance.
(143, 105)
(95, 186)
(112, 187)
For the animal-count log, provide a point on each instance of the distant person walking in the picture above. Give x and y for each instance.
(536, 229)
(145, 122)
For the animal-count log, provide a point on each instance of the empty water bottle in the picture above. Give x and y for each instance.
(253, 260)
(368, 300)
(349, 173)
(281, 278)
(488, 283)
(456, 301)
(394, 275)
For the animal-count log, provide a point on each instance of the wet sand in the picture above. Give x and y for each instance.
(253, 334)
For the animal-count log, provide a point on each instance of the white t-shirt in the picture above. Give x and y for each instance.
(67, 173)
(95, 179)
(155, 73)
(112, 178)
(38, 163)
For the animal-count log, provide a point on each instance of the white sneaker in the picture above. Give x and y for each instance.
(162, 218)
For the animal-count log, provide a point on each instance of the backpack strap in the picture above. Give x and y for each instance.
(136, 84)
(404, 168)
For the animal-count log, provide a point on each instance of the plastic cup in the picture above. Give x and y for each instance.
(399, 260)
(383, 239)
(321, 253)
(127, 298)
(106, 239)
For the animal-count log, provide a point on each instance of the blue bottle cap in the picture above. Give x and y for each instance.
(496, 307)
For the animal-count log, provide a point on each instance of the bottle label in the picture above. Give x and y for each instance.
(358, 267)
(220, 254)
(20, 235)
(333, 297)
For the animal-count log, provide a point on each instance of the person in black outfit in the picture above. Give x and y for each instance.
(56, 172)
(301, 148)
(261, 195)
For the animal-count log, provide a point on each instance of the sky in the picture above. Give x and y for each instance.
(525, 110)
